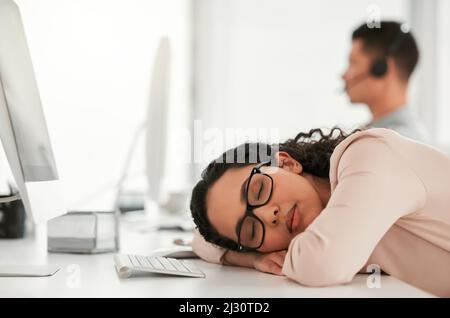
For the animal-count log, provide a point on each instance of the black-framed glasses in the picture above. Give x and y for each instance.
(258, 191)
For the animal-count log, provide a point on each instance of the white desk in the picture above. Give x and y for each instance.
(98, 276)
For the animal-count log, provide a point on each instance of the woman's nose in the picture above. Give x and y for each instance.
(269, 215)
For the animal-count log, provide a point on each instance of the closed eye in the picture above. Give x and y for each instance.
(260, 191)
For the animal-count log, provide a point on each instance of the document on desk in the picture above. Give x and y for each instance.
(27, 270)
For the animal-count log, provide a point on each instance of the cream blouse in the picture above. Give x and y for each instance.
(389, 206)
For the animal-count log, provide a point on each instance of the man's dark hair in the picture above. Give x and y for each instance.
(389, 40)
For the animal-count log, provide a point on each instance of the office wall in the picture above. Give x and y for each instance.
(431, 97)
(93, 62)
(277, 63)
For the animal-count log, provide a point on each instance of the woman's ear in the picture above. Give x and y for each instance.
(285, 161)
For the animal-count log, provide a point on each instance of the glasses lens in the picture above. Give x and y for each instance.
(251, 234)
(259, 189)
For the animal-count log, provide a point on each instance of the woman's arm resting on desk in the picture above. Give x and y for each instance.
(207, 251)
(264, 262)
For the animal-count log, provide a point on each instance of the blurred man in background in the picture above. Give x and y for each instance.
(381, 62)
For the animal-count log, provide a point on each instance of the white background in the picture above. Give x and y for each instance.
(264, 63)
(93, 63)
(236, 64)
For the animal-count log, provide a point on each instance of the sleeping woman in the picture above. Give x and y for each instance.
(321, 208)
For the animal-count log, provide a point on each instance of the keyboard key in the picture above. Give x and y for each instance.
(155, 262)
(178, 265)
(167, 264)
(134, 261)
(143, 261)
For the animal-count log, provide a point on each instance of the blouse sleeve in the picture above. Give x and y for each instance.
(207, 251)
(375, 188)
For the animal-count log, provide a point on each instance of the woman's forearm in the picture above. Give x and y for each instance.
(240, 259)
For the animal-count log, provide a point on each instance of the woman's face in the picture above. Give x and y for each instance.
(293, 205)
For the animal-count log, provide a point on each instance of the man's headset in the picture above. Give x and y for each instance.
(379, 66)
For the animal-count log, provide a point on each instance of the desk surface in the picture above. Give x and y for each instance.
(95, 275)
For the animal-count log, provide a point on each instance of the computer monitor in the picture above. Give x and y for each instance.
(23, 129)
(155, 129)
(156, 125)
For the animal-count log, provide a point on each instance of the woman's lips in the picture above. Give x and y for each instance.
(292, 219)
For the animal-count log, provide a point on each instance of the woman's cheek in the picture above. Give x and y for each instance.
(275, 241)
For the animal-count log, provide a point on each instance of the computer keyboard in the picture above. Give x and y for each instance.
(127, 265)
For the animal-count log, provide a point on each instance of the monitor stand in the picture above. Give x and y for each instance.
(31, 259)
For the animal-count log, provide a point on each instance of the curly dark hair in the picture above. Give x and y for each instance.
(312, 149)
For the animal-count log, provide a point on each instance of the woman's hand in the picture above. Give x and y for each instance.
(263, 262)
(270, 262)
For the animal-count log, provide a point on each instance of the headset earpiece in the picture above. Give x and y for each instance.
(379, 67)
